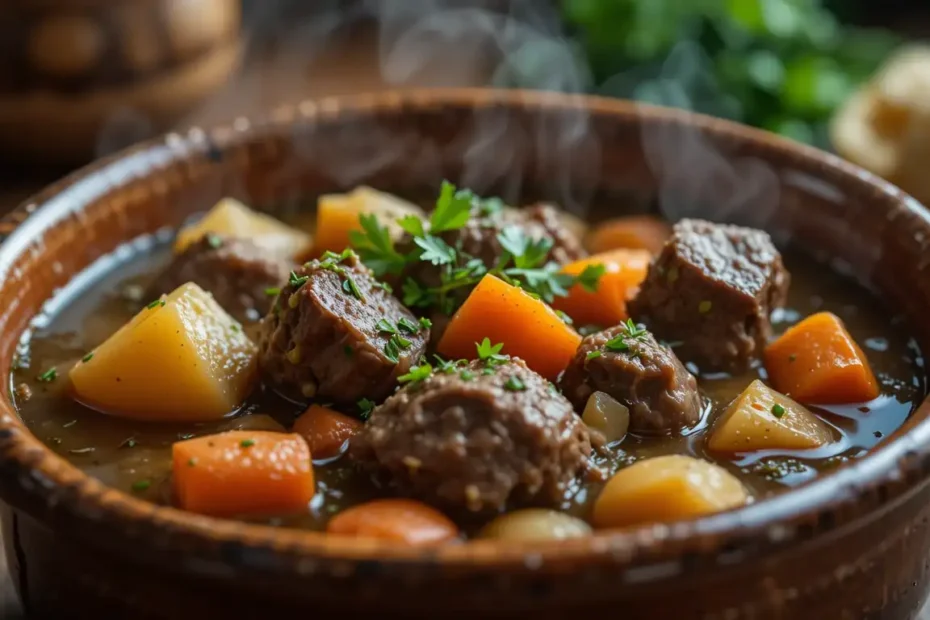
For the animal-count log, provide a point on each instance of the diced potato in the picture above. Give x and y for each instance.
(231, 217)
(762, 419)
(535, 524)
(666, 488)
(337, 215)
(182, 358)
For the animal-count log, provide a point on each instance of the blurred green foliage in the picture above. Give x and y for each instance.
(783, 65)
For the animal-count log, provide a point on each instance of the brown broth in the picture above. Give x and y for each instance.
(121, 452)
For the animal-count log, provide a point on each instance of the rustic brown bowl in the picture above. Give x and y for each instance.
(852, 544)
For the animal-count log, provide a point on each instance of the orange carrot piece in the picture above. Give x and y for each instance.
(529, 328)
(818, 362)
(326, 431)
(399, 520)
(336, 217)
(638, 232)
(624, 271)
(243, 473)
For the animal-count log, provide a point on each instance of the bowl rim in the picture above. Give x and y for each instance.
(33, 478)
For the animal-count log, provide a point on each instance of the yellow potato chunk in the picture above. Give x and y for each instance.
(762, 419)
(182, 358)
(666, 488)
(232, 218)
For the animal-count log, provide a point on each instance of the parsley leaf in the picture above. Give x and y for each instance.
(491, 355)
(416, 296)
(416, 374)
(514, 384)
(526, 252)
(365, 407)
(386, 326)
(590, 277)
(629, 333)
(490, 206)
(349, 286)
(452, 209)
(408, 326)
(394, 346)
(413, 225)
(425, 323)
(297, 281)
(436, 251)
(376, 248)
(448, 366)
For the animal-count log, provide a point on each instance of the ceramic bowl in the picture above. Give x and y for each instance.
(852, 544)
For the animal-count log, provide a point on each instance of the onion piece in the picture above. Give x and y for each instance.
(606, 415)
(535, 524)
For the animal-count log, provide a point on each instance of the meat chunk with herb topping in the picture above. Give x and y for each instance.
(477, 437)
(712, 289)
(628, 364)
(335, 333)
(438, 262)
(237, 272)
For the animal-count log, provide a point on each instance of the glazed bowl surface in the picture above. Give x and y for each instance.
(851, 544)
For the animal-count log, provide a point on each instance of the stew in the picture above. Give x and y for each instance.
(466, 370)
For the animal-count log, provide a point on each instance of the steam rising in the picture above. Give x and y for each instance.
(474, 43)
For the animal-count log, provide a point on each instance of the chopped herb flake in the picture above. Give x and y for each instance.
(383, 286)
(592, 355)
(272, 291)
(297, 281)
(49, 375)
(141, 485)
(383, 325)
(407, 325)
(349, 286)
(792, 357)
(87, 357)
(214, 241)
(416, 374)
(156, 303)
(247, 443)
(191, 462)
(466, 375)
(487, 371)
(777, 410)
(365, 408)
(425, 323)
(514, 384)
(490, 354)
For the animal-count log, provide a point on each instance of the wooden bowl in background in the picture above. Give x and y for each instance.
(82, 77)
(852, 544)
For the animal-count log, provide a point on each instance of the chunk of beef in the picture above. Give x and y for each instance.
(627, 363)
(335, 333)
(712, 289)
(477, 441)
(237, 272)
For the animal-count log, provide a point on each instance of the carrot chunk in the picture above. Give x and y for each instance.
(326, 431)
(624, 271)
(817, 361)
(638, 232)
(528, 328)
(399, 520)
(336, 216)
(243, 473)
